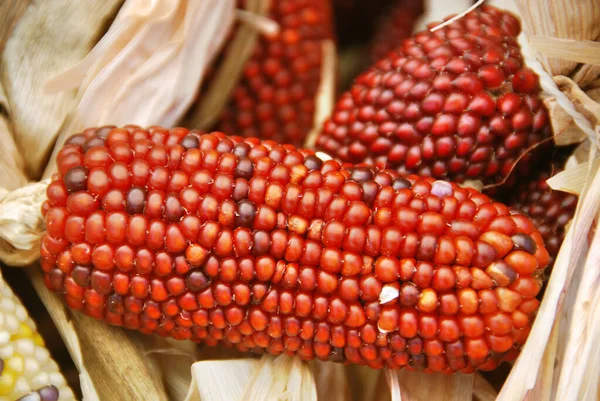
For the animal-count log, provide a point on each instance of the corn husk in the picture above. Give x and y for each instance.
(12, 166)
(37, 49)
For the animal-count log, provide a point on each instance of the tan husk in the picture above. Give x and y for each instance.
(483, 390)
(12, 166)
(37, 49)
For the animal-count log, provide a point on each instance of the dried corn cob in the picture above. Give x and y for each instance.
(268, 248)
(26, 368)
(458, 103)
(275, 98)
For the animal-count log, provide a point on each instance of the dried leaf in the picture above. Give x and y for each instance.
(584, 330)
(325, 96)
(280, 378)
(563, 19)
(10, 13)
(21, 223)
(419, 386)
(331, 381)
(573, 179)
(12, 166)
(49, 37)
(114, 365)
(482, 389)
(581, 51)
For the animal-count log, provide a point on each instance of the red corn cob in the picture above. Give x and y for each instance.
(275, 98)
(457, 104)
(550, 210)
(267, 248)
(395, 26)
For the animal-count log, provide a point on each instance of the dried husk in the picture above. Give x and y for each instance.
(12, 166)
(49, 37)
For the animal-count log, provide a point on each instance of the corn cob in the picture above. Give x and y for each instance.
(268, 248)
(458, 104)
(26, 368)
(275, 98)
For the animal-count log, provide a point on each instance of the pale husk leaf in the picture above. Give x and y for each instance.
(325, 97)
(584, 331)
(331, 381)
(21, 223)
(563, 19)
(419, 386)
(12, 166)
(573, 179)
(482, 389)
(37, 49)
(272, 378)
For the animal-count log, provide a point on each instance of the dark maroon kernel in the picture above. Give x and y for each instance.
(76, 179)
(370, 191)
(57, 278)
(77, 139)
(105, 130)
(92, 142)
(361, 174)
(224, 146)
(241, 149)
(114, 304)
(81, 275)
(244, 168)
(1, 365)
(337, 355)
(313, 163)
(136, 200)
(197, 281)
(244, 216)
(417, 361)
(190, 141)
(401, 183)
(49, 393)
(524, 242)
(262, 242)
(409, 295)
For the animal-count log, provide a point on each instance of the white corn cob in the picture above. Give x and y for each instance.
(26, 368)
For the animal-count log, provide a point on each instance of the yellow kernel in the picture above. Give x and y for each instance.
(7, 381)
(24, 332)
(38, 340)
(16, 364)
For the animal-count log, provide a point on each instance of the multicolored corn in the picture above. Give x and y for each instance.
(266, 247)
(26, 368)
(458, 104)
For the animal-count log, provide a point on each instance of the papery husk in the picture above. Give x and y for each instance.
(10, 13)
(548, 20)
(482, 389)
(37, 49)
(12, 166)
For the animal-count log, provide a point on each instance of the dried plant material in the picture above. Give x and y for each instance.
(563, 19)
(280, 378)
(482, 389)
(21, 223)
(221, 380)
(206, 112)
(419, 386)
(475, 184)
(176, 358)
(574, 179)
(113, 365)
(584, 330)
(325, 97)
(150, 56)
(522, 378)
(10, 13)
(394, 384)
(581, 51)
(566, 132)
(12, 166)
(331, 381)
(50, 36)
(365, 383)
